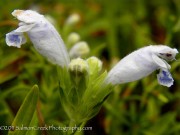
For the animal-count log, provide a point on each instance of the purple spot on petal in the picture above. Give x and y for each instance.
(164, 73)
(14, 38)
(165, 78)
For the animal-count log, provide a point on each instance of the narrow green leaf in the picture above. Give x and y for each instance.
(25, 114)
(34, 123)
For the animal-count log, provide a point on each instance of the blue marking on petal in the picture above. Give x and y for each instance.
(165, 78)
(14, 38)
(164, 73)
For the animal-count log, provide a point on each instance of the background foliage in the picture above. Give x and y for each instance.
(112, 29)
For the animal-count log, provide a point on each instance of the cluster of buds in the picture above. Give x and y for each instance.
(83, 87)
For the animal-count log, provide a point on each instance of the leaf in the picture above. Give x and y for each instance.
(26, 112)
(33, 123)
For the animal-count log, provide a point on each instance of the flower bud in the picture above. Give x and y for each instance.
(80, 49)
(73, 38)
(78, 67)
(73, 19)
(95, 65)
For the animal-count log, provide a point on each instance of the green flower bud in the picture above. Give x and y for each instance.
(78, 67)
(73, 38)
(95, 65)
(80, 49)
(73, 19)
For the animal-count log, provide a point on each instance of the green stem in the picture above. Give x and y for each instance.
(76, 125)
(72, 123)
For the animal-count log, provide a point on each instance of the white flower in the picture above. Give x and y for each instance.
(143, 62)
(80, 49)
(43, 35)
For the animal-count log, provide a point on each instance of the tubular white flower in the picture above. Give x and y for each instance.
(43, 35)
(143, 62)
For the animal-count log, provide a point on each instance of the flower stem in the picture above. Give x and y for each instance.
(72, 124)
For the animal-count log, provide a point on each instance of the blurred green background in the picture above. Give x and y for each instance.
(112, 28)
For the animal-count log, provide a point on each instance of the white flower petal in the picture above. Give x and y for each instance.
(164, 78)
(27, 16)
(133, 67)
(160, 62)
(25, 28)
(48, 43)
(166, 53)
(15, 39)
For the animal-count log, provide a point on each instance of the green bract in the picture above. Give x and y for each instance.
(82, 100)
